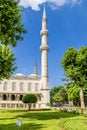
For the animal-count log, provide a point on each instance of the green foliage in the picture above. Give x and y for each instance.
(74, 63)
(29, 99)
(61, 95)
(48, 104)
(11, 28)
(58, 94)
(53, 92)
(7, 62)
(73, 92)
(58, 97)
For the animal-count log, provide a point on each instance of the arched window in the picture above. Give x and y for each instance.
(36, 87)
(29, 86)
(13, 86)
(39, 97)
(12, 97)
(21, 96)
(21, 86)
(4, 97)
(5, 86)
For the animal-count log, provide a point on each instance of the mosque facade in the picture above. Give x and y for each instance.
(12, 90)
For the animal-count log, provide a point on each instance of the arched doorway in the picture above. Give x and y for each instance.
(21, 96)
(4, 97)
(12, 97)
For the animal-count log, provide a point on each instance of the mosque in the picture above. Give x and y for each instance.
(12, 90)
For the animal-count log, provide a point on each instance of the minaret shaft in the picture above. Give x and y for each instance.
(44, 24)
(44, 47)
(44, 71)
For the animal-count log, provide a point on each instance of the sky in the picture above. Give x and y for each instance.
(67, 26)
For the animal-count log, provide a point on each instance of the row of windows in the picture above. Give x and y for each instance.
(21, 86)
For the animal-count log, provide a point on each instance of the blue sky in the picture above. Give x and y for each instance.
(67, 26)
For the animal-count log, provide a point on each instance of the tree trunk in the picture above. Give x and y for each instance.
(71, 104)
(82, 98)
(29, 106)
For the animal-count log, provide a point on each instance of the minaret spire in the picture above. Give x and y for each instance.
(44, 12)
(35, 68)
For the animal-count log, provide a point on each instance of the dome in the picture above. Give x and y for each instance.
(33, 76)
(19, 75)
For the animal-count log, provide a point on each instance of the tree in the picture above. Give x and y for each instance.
(74, 91)
(61, 95)
(74, 63)
(7, 62)
(73, 94)
(29, 99)
(11, 28)
(53, 92)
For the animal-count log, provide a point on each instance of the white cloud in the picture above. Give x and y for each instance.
(34, 4)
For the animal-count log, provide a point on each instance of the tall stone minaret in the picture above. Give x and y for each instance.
(44, 62)
(44, 50)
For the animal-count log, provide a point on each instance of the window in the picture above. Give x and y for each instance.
(21, 86)
(13, 86)
(12, 97)
(4, 97)
(21, 96)
(39, 98)
(36, 87)
(29, 86)
(5, 86)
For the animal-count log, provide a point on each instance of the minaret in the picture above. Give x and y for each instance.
(44, 50)
(35, 68)
(44, 62)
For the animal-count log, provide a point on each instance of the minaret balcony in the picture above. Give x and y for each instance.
(44, 47)
(44, 32)
(44, 19)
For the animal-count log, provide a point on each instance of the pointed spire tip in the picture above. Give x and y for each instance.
(44, 12)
